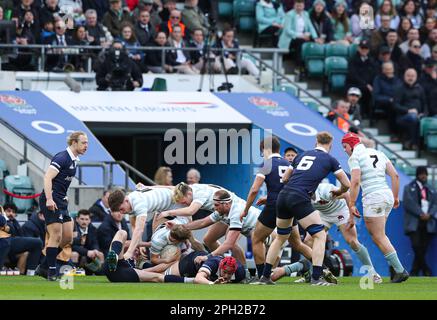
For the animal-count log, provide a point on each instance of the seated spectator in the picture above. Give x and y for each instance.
(80, 38)
(426, 29)
(378, 36)
(107, 230)
(179, 60)
(413, 59)
(175, 20)
(98, 34)
(144, 31)
(355, 20)
(228, 41)
(410, 10)
(341, 24)
(387, 8)
(362, 70)
(148, 5)
(73, 8)
(410, 105)
(115, 17)
(194, 18)
(118, 72)
(99, 6)
(270, 19)
(385, 56)
(49, 12)
(434, 53)
(13, 243)
(413, 34)
(197, 57)
(30, 28)
(425, 51)
(57, 59)
(321, 22)
(169, 6)
(428, 81)
(24, 6)
(100, 209)
(154, 57)
(85, 248)
(431, 10)
(35, 227)
(353, 97)
(340, 115)
(396, 53)
(404, 26)
(163, 176)
(297, 30)
(193, 176)
(131, 44)
(47, 31)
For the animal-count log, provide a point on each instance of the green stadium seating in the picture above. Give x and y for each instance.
(247, 23)
(336, 50)
(312, 105)
(428, 130)
(159, 84)
(20, 185)
(313, 55)
(244, 8)
(289, 89)
(352, 50)
(226, 8)
(336, 71)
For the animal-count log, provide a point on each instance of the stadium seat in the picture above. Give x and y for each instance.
(159, 84)
(226, 8)
(246, 23)
(244, 8)
(20, 185)
(289, 89)
(313, 55)
(428, 130)
(352, 50)
(312, 105)
(336, 50)
(336, 70)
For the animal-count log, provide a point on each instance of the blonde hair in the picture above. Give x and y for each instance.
(324, 137)
(74, 136)
(161, 175)
(180, 191)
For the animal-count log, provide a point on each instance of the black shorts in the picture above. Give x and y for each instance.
(124, 272)
(61, 215)
(292, 205)
(187, 267)
(268, 216)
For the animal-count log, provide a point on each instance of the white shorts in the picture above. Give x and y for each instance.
(338, 218)
(378, 204)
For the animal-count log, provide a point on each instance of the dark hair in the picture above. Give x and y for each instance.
(132, 38)
(115, 199)
(421, 170)
(416, 7)
(83, 212)
(11, 206)
(272, 142)
(343, 19)
(290, 149)
(401, 32)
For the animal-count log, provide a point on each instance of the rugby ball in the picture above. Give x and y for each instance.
(169, 251)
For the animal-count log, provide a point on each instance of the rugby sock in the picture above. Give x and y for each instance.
(393, 260)
(267, 270)
(116, 246)
(363, 255)
(317, 272)
(51, 260)
(171, 278)
(294, 267)
(260, 269)
(188, 280)
(30, 273)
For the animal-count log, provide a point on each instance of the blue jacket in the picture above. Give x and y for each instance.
(266, 16)
(384, 88)
(412, 208)
(289, 31)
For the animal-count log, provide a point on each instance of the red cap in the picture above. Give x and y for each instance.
(351, 139)
(229, 264)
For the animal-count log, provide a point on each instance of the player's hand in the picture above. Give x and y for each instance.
(350, 223)
(170, 224)
(354, 211)
(164, 214)
(396, 203)
(91, 254)
(261, 201)
(128, 255)
(220, 280)
(336, 193)
(200, 259)
(143, 253)
(51, 205)
(242, 215)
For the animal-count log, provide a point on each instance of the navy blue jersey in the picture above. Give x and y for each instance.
(212, 265)
(64, 163)
(272, 170)
(309, 169)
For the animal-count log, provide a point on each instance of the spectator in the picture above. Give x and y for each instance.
(210, 7)
(99, 6)
(340, 115)
(107, 230)
(193, 176)
(411, 11)
(426, 29)
(179, 60)
(115, 17)
(428, 81)
(270, 19)
(429, 43)
(74, 8)
(384, 89)
(387, 8)
(197, 57)
(118, 72)
(379, 35)
(85, 246)
(49, 12)
(290, 153)
(169, 6)
(353, 97)
(30, 29)
(47, 31)
(403, 29)
(13, 243)
(413, 58)
(7, 7)
(228, 41)
(341, 24)
(100, 209)
(57, 59)
(410, 106)
(413, 34)
(362, 71)
(155, 20)
(154, 57)
(193, 17)
(431, 10)
(131, 44)
(392, 43)
(163, 176)
(355, 20)
(35, 227)
(98, 34)
(434, 53)
(420, 215)
(298, 29)
(23, 7)
(144, 31)
(80, 38)
(175, 20)
(385, 56)
(321, 22)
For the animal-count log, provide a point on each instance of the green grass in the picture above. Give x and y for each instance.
(35, 288)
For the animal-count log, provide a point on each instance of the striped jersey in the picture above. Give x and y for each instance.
(146, 203)
(233, 218)
(204, 194)
(160, 239)
(324, 200)
(372, 164)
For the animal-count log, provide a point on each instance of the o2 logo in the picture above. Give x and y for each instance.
(49, 127)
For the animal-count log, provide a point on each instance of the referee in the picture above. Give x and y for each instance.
(53, 201)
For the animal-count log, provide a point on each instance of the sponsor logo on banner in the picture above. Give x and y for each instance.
(270, 106)
(17, 104)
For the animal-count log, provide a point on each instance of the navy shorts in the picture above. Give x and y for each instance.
(292, 205)
(268, 216)
(124, 272)
(187, 267)
(60, 215)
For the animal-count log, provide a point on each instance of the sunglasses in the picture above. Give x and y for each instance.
(416, 47)
(175, 18)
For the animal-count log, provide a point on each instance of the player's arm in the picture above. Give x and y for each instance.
(140, 186)
(287, 175)
(132, 220)
(259, 180)
(183, 212)
(355, 189)
(136, 236)
(50, 174)
(200, 224)
(202, 277)
(345, 184)
(391, 171)
(195, 244)
(156, 259)
(231, 240)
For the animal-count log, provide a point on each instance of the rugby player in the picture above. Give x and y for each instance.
(368, 170)
(294, 202)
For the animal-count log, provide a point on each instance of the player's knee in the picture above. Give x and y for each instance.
(315, 229)
(122, 234)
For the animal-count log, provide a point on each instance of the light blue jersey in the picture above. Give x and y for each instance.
(325, 202)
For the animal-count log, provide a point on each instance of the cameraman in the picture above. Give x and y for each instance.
(118, 72)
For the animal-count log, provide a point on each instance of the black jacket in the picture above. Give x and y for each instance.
(172, 55)
(144, 37)
(34, 228)
(98, 214)
(410, 97)
(430, 87)
(414, 61)
(15, 228)
(384, 88)
(91, 242)
(101, 6)
(54, 59)
(47, 14)
(322, 25)
(96, 32)
(361, 73)
(153, 57)
(107, 231)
